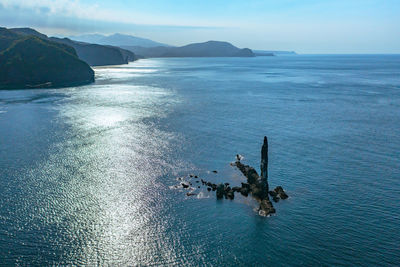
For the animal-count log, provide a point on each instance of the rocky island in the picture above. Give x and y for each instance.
(257, 185)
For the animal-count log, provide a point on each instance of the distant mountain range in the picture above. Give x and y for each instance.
(117, 39)
(32, 61)
(148, 48)
(206, 49)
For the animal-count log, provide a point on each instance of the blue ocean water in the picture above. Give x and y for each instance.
(87, 174)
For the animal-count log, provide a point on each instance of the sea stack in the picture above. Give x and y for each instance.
(264, 166)
(259, 185)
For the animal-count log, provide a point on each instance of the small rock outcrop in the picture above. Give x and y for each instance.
(280, 192)
(257, 185)
(220, 191)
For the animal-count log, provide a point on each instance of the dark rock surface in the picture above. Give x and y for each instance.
(230, 194)
(245, 191)
(280, 192)
(272, 193)
(236, 189)
(256, 185)
(220, 191)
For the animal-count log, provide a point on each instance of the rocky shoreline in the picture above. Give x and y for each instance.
(257, 186)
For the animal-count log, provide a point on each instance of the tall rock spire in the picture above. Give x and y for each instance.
(259, 184)
(264, 159)
(264, 167)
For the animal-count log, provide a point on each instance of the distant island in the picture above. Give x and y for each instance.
(28, 61)
(206, 49)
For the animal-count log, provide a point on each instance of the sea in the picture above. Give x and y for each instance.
(91, 175)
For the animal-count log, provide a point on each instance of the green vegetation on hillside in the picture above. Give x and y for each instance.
(27, 61)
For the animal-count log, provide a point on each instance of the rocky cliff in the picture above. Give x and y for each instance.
(93, 54)
(27, 61)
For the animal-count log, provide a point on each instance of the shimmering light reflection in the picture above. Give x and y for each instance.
(88, 174)
(104, 174)
(123, 72)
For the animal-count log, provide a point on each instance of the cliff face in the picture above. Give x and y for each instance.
(27, 61)
(98, 55)
(127, 55)
(93, 54)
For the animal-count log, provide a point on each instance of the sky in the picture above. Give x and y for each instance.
(304, 26)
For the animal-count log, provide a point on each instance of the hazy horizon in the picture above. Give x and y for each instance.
(307, 27)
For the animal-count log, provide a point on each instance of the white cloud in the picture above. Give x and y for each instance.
(63, 7)
(80, 10)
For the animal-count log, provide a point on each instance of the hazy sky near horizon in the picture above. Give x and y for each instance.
(305, 26)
